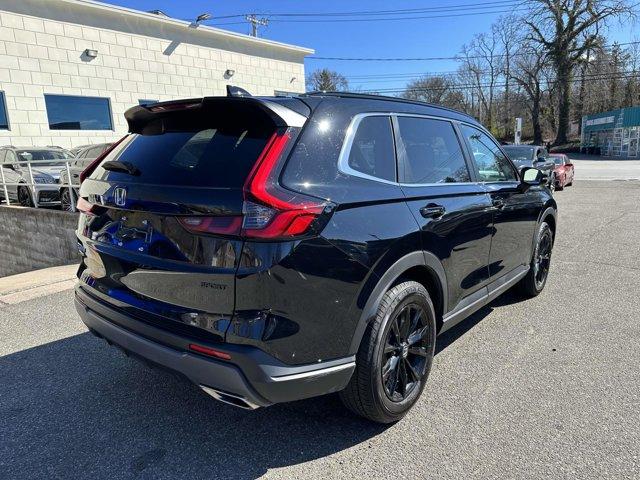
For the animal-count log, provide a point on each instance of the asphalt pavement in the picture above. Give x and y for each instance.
(541, 388)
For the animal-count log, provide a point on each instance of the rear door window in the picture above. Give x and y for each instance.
(429, 152)
(207, 157)
(372, 152)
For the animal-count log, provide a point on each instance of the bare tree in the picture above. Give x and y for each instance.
(567, 29)
(507, 29)
(440, 90)
(325, 80)
(482, 59)
(527, 72)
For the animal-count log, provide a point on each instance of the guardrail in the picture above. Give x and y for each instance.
(34, 186)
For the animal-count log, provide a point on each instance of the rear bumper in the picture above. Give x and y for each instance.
(251, 379)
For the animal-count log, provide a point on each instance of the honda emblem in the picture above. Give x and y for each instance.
(120, 196)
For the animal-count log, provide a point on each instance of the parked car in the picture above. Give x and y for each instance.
(45, 175)
(274, 249)
(533, 156)
(75, 150)
(83, 158)
(564, 170)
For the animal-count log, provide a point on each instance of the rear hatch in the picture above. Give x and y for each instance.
(164, 214)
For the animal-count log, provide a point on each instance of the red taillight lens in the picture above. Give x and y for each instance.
(271, 211)
(220, 225)
(93, 165)
(209, 351)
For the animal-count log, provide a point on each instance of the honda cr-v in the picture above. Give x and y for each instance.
(274, 249)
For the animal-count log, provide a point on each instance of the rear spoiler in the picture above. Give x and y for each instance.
(141, 116)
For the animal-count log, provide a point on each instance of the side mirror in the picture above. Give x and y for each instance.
(533, 177)
(541, 160)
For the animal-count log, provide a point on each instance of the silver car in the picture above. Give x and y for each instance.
(49, 162)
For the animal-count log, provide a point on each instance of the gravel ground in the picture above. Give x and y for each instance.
(542, 388)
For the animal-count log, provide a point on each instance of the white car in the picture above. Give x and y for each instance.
(46, 175)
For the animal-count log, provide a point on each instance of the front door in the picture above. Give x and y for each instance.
(453, 213)
(515, 213)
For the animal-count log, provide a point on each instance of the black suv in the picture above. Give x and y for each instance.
(274, 249)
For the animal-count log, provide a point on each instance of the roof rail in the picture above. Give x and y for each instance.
(385, 98)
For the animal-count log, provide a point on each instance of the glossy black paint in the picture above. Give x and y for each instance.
(307, 300)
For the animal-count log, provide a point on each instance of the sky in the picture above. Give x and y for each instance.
(451, 25)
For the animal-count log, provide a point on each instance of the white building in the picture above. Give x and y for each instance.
(70, 68)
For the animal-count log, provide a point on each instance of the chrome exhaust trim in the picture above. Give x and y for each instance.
(230, 398)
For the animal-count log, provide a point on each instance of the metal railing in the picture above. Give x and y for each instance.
(33, 186)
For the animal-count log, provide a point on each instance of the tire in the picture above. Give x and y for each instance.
(375, 394)
(24, 197)
(535, 280)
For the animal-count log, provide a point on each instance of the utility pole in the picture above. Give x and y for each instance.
(255, 23)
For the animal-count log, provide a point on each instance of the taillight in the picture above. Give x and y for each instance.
(220, 225)
(271, 211)
(94, 164)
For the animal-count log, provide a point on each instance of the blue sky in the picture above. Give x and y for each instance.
(425, 37)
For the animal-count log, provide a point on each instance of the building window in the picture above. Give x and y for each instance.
(4, 118)
(145, 101)
(68, 112)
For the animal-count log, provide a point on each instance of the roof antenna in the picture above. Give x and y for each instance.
(233, 91)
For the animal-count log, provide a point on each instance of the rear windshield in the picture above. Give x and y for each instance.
(519, 154)
(207, 157)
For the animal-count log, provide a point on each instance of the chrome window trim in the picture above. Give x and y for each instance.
(343, 159)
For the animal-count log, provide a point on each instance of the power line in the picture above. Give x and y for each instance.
(424, 59)
(621, 76)
(405, 11)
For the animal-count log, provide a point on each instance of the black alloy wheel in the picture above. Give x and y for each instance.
(407, 347)
(536, 278)
(542, 259)
(395, 355)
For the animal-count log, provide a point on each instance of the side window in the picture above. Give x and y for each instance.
(3, 154)
(492, 165)
(429, 152)
(372, 151)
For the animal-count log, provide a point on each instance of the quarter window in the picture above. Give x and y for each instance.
(429, 152)
(372, 151)
(67, 112)
(4, 118)
(492, 164)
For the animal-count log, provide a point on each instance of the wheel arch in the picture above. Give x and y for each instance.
(420, 266)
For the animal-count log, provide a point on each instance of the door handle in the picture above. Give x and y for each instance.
(498, 203)
(432, 211)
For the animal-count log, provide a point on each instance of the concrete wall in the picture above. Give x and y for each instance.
(140, 56)
(36, 238)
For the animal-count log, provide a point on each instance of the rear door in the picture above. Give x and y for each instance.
(163, 212)
(515, 212)
(452, 211)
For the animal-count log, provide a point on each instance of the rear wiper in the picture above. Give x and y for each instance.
(123, 167)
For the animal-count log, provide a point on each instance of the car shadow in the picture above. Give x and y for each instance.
(78, 408)
(450, 336)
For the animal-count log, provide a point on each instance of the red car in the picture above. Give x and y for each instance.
(563, 170)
